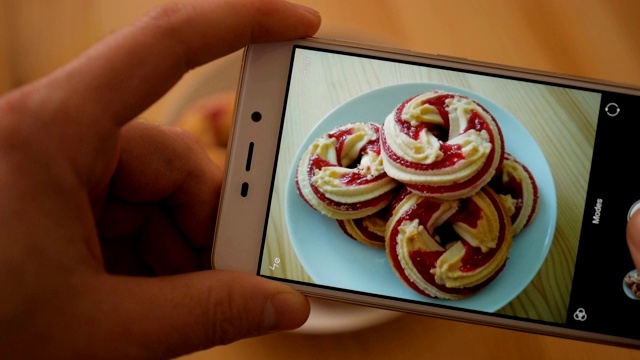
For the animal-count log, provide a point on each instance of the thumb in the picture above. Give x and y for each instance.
(633, 237)
(170, 316)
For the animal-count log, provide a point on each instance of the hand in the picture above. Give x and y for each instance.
(210, 120)
(89, 199)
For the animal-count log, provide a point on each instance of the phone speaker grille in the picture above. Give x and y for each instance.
(247, 166)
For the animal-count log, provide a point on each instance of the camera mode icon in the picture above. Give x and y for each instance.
(580, 315)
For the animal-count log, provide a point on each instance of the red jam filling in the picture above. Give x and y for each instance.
(366, 233)
(355, 177)
(535, 195)
(424, 261)
(451, 153)
(439, 131)
(374, 202)
(352, 178)
(469, 213)
(340, 135)
(512, 187)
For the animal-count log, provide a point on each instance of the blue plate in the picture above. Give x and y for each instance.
(333, 259)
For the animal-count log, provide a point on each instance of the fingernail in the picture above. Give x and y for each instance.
(286, 311)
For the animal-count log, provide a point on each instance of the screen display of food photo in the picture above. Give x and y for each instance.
(452, 188)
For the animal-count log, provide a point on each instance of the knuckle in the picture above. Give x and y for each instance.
(183, 136)
(168, 22)
(15, 117)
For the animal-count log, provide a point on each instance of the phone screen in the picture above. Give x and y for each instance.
(567, 264)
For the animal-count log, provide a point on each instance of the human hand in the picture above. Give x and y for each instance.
(90, 198)
(210, 120)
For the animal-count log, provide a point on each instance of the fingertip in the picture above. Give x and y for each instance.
(286, 311)
(312, 15)
(633, 225)
(176, 315)
(276, 20)
(308, 10)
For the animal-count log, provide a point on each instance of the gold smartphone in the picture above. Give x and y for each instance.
(434, 185)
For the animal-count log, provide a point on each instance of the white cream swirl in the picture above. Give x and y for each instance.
(425, 162)
(412, 235)
(329, 182)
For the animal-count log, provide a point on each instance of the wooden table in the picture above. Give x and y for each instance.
(592, 38)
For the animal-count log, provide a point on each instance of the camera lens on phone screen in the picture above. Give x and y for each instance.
(256, 116)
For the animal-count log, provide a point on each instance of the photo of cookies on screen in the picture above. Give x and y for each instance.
(430, 185)
(433, 186)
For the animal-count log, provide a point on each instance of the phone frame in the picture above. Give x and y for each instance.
(266, 70)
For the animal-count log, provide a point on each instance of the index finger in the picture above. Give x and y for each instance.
(118, 78)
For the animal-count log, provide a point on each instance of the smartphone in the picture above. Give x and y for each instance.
(435, 185)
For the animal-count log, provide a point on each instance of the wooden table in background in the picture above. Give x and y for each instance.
(592, 38)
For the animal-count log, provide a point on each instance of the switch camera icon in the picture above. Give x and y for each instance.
(612, 109)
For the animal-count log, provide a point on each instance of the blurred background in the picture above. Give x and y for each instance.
(591, 38)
